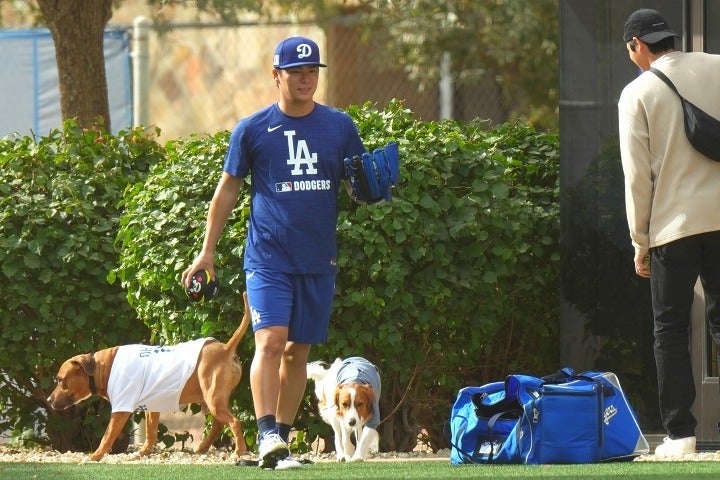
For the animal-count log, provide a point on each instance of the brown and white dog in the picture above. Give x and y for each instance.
(216, 374)
(348, 393)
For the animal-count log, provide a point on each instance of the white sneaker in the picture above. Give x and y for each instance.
(287, 463)
(675, 448)
(271, 449)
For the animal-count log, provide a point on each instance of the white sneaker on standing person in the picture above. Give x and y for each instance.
(671, 194)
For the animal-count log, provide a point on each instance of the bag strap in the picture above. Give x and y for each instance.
(447, 430)
(665, 79)
(558, 377)
(471, 458)
(491, 426)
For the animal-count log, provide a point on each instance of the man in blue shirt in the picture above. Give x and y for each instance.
(293, 150)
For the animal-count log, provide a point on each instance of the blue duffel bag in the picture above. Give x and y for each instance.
(562, 418)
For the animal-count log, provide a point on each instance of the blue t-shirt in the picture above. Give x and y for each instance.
(296, 168)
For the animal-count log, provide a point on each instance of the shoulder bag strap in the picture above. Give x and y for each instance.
(665, 79)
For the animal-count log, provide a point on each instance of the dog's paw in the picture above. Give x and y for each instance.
(357, 459)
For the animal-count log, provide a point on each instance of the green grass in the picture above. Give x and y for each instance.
(369, 470)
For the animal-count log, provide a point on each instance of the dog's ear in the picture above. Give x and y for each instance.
(87, 363)
(337, 399)
(369, 392)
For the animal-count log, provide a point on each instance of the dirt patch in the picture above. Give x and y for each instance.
(174, 456)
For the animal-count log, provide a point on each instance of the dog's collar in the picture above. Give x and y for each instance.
(91, 379)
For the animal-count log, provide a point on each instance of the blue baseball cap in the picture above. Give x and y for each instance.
(295, 52)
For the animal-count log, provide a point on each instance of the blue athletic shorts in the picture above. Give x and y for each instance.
(300, 302)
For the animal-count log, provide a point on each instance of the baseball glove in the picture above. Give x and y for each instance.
(372, 174)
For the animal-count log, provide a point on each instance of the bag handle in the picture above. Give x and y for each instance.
(560, 376)
(568, 374)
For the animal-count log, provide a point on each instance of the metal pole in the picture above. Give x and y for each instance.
(446, 87)
(141, 60)
(140, 56)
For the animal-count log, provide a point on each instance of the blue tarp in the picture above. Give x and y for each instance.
(29, 89)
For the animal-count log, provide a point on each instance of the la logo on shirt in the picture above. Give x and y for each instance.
(300, 155)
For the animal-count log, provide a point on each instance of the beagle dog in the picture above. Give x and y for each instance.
(348, 394)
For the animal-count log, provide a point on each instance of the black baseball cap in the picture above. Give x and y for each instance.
(647, 25)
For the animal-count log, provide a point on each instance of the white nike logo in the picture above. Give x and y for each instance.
(272, 129)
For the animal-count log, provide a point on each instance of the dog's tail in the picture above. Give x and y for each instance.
(317, 370)
(320, 369)
(234, 341)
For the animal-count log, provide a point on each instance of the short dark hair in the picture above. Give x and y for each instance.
(662, 46)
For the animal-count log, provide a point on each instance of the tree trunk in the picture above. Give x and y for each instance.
(77, 28)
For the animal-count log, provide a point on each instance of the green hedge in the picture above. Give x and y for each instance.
(453, 283)
(59, 216)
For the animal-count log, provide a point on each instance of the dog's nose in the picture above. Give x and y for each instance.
(352, 422)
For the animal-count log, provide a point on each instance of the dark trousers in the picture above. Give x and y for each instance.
(675, 268)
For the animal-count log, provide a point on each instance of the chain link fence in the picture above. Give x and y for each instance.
(204, 77)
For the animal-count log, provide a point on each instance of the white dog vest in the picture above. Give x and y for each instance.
(151, 378)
